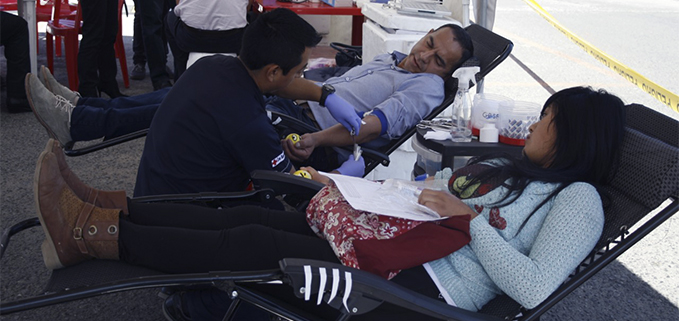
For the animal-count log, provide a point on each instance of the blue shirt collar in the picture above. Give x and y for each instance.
(398, 57)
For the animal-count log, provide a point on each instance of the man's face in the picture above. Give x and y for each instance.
(436, 53)
(296, 72)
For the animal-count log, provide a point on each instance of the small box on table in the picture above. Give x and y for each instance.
(339, 3)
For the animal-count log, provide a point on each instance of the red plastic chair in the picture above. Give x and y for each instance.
(8, 5)
(69, 30)
(43, 12)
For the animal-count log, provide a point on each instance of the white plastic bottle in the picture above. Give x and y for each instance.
(462, 105)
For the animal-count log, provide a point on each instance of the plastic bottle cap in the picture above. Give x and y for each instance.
(489, 134)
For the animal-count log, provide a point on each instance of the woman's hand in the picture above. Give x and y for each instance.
(444, 203)
(301, 150)
(316, 176)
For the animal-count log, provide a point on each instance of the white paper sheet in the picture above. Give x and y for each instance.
(392, 198)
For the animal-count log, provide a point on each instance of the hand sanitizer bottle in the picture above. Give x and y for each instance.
(462, 105)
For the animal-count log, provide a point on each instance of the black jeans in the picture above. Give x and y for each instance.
(14, 37)
(139, 56)
(152, 14)
(181, 238)
(184, 40)
(96, 54)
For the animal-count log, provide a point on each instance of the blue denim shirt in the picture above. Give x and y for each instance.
(403, 97)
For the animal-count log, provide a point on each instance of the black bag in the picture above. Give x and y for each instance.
(347, 55)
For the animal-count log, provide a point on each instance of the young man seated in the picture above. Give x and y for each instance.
(183, 153)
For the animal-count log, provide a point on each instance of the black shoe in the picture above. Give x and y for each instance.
(138, 72)
(173, 310)
(162, 84)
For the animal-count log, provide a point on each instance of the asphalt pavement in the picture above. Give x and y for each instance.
(641, 285)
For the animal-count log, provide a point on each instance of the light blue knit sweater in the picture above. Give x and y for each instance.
(528, 264)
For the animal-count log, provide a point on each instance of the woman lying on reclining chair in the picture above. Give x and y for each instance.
(533, 220)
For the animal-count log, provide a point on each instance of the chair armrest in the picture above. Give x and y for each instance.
(263, 195)
(288, 123)
(292, 124)
(366, 292)
(285, 183)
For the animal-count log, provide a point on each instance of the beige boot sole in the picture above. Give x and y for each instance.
(49, 251)
(49, 145)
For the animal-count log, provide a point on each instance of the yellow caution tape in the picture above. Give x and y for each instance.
(661, 94)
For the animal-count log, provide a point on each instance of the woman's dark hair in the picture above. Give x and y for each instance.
(590, 125)
(277, 37)
(465, 41)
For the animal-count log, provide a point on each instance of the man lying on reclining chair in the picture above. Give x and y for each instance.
(392, 93)
(413, 86)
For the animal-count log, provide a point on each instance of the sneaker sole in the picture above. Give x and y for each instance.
(49, 250)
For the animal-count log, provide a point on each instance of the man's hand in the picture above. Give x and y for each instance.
(343, 112)
(301, 150)
(352, 167)
(444, 203)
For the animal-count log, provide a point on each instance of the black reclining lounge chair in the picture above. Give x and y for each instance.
(489, 48)
(645, 187)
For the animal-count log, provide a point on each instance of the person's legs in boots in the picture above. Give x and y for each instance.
(75, 231)
(104, 199)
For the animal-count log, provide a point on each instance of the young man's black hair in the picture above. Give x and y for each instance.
(277, 37)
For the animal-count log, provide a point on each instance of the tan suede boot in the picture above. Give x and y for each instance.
(105, 199)
(75, 231)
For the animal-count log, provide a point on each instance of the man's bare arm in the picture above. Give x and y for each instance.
(334, 136)
(337, 135)
(301, 89)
